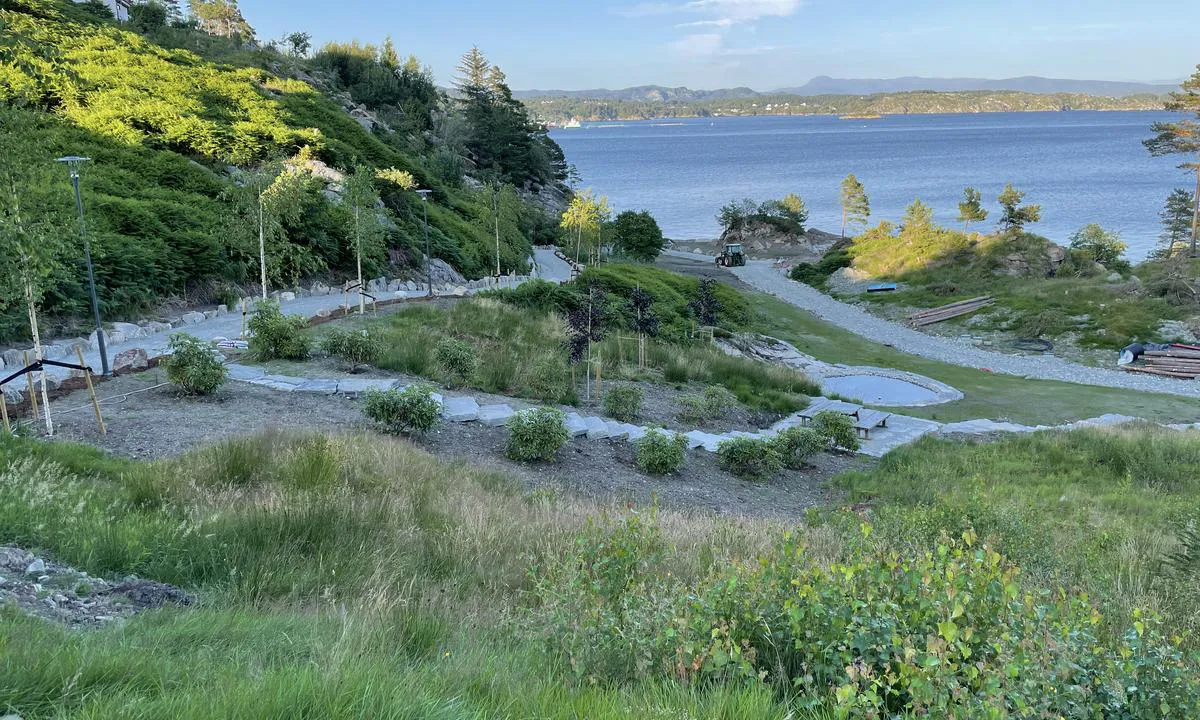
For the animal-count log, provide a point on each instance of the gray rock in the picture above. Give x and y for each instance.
(410, 285)
(287, 296)
(318, 387)
(495, 415)
(129, 330)
(154, 326)
(460, 409)
(37, 566)
(210, 314)
(14, 359)
(244, 372)
(193, 318)
(14, 559)
(130, 360)
(597, 429)
(575, 424)
(12, 395)
(222, 310)
(320, 289)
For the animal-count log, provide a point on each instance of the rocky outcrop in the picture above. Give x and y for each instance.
(761, 237)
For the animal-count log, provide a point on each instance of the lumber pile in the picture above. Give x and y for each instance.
(953, 310)
(1177, 361)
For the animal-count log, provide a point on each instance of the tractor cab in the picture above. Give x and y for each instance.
(732, 256)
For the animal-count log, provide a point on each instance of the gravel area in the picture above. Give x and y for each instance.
(949, 350)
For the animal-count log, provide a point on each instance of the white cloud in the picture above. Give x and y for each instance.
(718, 23)
(698, 44)
(724, 12)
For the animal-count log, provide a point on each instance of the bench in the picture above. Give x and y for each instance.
(867, 420)
(821, 405)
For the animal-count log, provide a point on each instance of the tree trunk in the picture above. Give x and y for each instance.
(1196, 212)
(262, 248)
(37, 354)
(496, 216)
(843, 223)
(362, 300)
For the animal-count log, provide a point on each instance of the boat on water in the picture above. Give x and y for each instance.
(571, 124)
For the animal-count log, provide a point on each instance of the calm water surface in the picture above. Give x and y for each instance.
(1080, 167)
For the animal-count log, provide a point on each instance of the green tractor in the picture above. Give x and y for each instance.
(732, 256)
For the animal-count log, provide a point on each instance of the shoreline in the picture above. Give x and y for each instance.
(883, 115)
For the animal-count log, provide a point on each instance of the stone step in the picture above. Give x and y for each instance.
(597, 429)
(700, 439)
(282, 383)
(460, 409)
(495, 415)
(244, 372)
(353, 387)
(616, 430)
(636, 432)
(575, 424)
(319, 387)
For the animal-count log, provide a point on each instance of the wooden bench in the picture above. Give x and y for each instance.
(867, 420)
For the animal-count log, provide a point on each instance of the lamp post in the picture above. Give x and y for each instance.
(425, 207)
(73, 163)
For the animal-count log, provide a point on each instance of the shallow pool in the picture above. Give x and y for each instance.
(876, 390)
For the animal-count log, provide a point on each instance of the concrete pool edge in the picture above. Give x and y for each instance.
(943, 393)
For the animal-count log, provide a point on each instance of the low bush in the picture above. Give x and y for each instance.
(413, 409)
(838, 429)
(275, 336)
(714, 404)
(623, 403)
(457, 360)
(536, 434)
(950, 632)
(353, 347)
(659, 453)
(795, 445)
(817, 274)
(749, 458)
(549, 380)
(193, 366)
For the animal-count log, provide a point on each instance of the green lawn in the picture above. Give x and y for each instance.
(987, 395)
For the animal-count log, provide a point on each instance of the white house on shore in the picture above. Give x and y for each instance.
(120, 8)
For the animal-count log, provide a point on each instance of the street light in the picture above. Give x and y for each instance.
(73, 163)
(425, 207)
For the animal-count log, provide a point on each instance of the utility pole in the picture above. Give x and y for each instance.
(73, 162)
(425, 207)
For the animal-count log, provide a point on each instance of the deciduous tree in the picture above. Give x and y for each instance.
(1099, 244)
(1183, 138)
(1016, 216)
(971, 208)
(637, 235)
(360, 197)
(223, 18)
(856, 206)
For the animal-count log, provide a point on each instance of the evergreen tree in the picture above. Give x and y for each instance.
(1176, 216)
(1183, 138)
(971, 208)
(388, 56)
(918, 219)
(856, 207)
(496, 81)
(1016, 216)
(473, 70)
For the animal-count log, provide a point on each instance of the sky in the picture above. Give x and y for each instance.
(762, 44)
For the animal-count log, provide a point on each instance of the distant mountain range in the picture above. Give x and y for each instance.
(824, 85)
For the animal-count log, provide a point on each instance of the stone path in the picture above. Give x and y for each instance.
(763, 277)
(901, 429)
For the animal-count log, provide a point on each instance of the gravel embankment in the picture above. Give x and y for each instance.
(950, 350)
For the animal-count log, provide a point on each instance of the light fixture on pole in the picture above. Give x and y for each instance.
(425, 206)
(73, 163)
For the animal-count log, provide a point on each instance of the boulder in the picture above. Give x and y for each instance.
(193, 318)
(12, 394)
(320, 289)
(13, 359)
(155, 326)
(129, 330)
(129, 361)
(287, 296)
(222, 310)
(111, 337)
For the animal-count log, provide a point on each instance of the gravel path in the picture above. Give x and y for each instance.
(763, 277)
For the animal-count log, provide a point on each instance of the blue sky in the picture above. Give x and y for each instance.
(763, 44)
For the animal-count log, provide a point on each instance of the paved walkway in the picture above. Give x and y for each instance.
(549, 266)
(762, 276)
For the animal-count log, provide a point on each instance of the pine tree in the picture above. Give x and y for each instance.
(1183, 138)
(223, 18)
(918, 218)
(473, 71)
(497, 81)
(856, 207)
(971, 208)
(388, 57)
(1017, 216)
(1176, 219)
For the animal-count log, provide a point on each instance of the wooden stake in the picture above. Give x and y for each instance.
(599, 364)
(33, 403)
(4, 414)
(91, 391)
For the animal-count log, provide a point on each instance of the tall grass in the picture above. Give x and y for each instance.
(521, 352)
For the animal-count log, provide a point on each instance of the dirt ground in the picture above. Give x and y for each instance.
(154, 422)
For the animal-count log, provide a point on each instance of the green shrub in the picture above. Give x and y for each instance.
(353, 347)
(623, 403)
(750, 458)
(193, 366)
(536, 434)
(838, 429)
(795, 445)
(277, 336)
(714, 404)
(457, 360)
(659, 453)
(952, 632)
(1047, 323)
(549, 380)
(413, 409)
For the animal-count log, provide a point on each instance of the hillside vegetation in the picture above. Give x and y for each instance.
(185, 134)
(348, 577)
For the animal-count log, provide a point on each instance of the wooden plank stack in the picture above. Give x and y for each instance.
(953, 310)
(1177, 361)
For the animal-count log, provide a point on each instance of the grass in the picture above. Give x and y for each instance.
(348, 576)
(1096, 508)
(986, 395)
(522, 353)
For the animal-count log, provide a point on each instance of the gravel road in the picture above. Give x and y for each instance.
(763, 277)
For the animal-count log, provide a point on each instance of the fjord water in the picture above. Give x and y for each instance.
(1081, 167)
